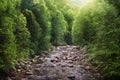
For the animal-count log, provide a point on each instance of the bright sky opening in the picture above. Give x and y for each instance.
(80, 3)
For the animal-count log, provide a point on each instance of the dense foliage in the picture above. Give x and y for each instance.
(98, 28)
(27, 27)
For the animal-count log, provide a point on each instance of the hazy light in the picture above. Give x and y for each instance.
(85, 2)
(80, 3)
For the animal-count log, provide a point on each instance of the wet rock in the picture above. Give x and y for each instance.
(64, 58)
(35, 59)
(69, 61)
(71, 77)
(35, 77)
(56, 59)
(87, 67)
(69, 58)
(78, 48)
(58, 48)
(29, 73)
(63, 64)
(52, 60)
(64, 52)
(71, 65)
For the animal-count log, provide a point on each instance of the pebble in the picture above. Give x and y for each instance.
(61, 63)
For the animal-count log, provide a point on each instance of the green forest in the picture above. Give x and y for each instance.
(28, 27)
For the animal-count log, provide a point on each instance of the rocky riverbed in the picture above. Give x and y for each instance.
(62, 63)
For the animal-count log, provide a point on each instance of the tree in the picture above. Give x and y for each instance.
(42, 15)
(83, 30)
(40, 26)
(58, 29)
(22, 37)
(34, 29)
(69, 18)
(7, 37)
